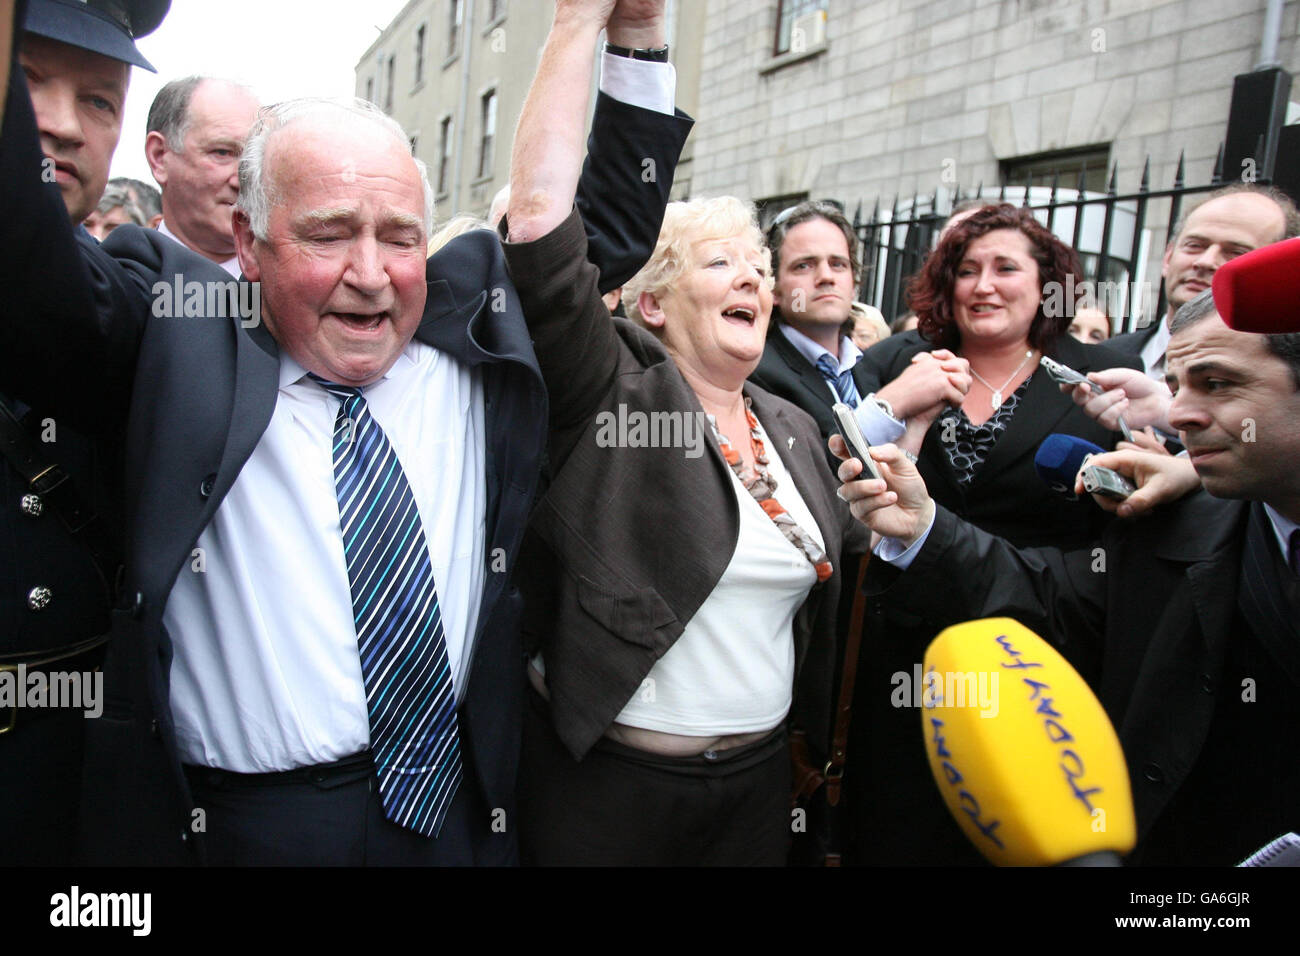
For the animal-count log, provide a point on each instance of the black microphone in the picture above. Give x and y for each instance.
(1059, 459)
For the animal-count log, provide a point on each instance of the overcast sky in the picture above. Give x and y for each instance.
(282, 48)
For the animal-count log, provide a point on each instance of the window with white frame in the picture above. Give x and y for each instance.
(800, 25)
(488, 115)
(446, 130)
(455, 18)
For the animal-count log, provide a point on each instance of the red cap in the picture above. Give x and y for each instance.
(1260, 291)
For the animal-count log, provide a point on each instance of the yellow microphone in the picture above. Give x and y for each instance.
(1021, 749)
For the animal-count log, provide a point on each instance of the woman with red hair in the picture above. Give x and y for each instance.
(996, 291)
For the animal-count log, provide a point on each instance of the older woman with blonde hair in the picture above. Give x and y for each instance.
(682, 570)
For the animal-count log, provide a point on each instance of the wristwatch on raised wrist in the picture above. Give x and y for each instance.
(658, 55)
(882, 404)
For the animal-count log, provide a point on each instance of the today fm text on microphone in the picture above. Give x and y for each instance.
(1038, 780)
(1259, 291)
(1059, 459)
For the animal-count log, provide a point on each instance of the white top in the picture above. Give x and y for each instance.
(732, 669)
(266, 674)
(231, 265)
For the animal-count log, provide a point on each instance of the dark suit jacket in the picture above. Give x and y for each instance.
(196, 395)
(1007, 498)
(1132, 343)
(1158, 621)
(627, 543)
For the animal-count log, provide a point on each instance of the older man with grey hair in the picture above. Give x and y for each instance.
(196, 132)
(317, 654)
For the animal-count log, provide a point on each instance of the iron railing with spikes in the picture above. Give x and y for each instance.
(1114, 250)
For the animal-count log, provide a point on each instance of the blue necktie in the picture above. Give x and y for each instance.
(843, 382)
(410, 698)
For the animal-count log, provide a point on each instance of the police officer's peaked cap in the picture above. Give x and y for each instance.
(107, 27)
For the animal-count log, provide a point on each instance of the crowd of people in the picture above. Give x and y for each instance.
(371, 575)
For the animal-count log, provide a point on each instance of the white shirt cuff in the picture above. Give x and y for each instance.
(643, 83)
(877, 427)
(892, 550)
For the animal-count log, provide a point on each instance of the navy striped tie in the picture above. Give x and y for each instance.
(410, 697)
(845, 387)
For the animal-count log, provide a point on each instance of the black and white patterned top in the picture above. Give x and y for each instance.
(972, 443)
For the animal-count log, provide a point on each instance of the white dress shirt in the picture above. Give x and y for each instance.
(1283, 528)
(266, 674)
(1153, 353)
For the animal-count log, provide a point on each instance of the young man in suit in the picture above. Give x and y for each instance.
(263, 706)
(1200, 671)
(810, 361)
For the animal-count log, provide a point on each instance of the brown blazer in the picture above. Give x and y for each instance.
(627, 543)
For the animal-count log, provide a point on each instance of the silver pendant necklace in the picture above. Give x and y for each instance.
(997, 392)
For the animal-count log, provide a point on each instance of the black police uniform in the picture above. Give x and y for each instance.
(54, 602)
(59, 537)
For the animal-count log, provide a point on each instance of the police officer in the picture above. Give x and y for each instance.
(59, 527)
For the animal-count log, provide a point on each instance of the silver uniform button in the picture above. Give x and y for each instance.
(38, 597)
(32, 505)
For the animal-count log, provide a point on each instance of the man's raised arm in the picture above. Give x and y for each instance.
(549, 140)
(637, 136)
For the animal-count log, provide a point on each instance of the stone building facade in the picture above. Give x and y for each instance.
(868, 100)
(906, 96)
(865, 100)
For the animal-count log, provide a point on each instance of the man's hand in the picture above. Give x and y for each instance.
(933, 380)
(1145, 440)
(1160, 478)
(638, 24)
(1128, 392)
(899, 506)
(591, 13)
